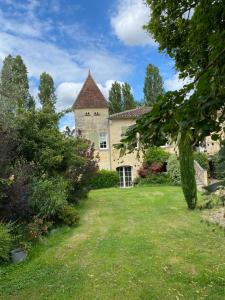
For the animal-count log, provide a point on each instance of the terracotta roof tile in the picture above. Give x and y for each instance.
(131, 114)
(90, 96)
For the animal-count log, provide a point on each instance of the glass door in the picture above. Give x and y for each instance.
(125, 176)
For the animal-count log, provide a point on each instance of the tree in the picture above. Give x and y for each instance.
(14, 85)
(47, 92)
(153, 85)
(128, 98)
(115, 98)
(191, 32)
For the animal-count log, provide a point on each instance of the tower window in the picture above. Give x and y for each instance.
(103, 140)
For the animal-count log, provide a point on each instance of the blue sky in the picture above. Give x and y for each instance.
(66, 38)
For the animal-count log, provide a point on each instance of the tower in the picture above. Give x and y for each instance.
(91, 119)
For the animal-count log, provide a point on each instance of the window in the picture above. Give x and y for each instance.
(103, 140)
(87, 114)
(125, 176)
(96, 113)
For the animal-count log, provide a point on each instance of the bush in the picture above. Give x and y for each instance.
(156, 155)
(105, 179)
(156, 167)
(155, 179)
(37, 228)
(173, 168)
(202, 159)
(217, 168)
(69, 215)
(6, 241)
(48, 196)
(144, 170)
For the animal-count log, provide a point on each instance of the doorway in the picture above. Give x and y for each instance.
(125, 176)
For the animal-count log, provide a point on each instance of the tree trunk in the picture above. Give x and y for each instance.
(187, 170)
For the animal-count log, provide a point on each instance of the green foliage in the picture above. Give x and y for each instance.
(38, 227)
(115, 98)
(105, 179)
(48, 196)
(187, 170)
(6, 241)
(191, 32)
(202, 159)
(217, 170)
(69, 215)
(173, 169)
(47, 92)
(156, 155)
(14, 86)
(153, 85)
(120, 98)
(128, 98)
(218, 161)
(160, 178)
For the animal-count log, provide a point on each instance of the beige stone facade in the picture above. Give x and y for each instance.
(93, 121)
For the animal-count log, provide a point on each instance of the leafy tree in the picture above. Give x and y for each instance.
(14, 85)
(47, 92)
(191, 32)
(128, 98)
(153, 85)
(115, 98)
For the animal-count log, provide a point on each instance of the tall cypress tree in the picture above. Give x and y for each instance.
(153, 85)
(14, 85)
(128, 99)
(115, 98)
(47, 92)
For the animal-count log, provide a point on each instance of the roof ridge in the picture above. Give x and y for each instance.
(128, 110)
(132, 113)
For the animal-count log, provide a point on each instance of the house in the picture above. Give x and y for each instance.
(93, 121)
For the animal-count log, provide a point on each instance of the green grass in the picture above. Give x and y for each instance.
(139, 243)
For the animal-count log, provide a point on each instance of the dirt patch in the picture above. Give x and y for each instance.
(215, 216)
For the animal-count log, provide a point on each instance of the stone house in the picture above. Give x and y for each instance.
(93, 121)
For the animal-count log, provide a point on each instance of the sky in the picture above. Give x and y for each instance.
(66, 38)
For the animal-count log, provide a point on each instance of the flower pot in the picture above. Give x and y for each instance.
(18, 255)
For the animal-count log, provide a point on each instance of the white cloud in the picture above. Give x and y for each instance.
(128, 21)
(66, 94)
(42, 56)
(68, 91)
(175, 83)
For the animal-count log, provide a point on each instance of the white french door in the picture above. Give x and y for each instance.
(125, 176)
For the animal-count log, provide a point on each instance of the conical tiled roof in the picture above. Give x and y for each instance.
(90, 96)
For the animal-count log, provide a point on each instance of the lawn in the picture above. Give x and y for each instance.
(139, 243)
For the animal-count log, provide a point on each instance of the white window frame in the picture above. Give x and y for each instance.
(103, 140)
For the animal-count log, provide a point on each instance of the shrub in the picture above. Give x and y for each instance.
(144, 170)
(173, 168)
(155, 179)
(48, 196)
(202, 159)
(37, 228)
(69, 215)
(6, 241)
(105, 179)
(156, 155)
(156, 167)
(217, 169)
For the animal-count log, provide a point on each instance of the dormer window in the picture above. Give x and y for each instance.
(87, 114)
